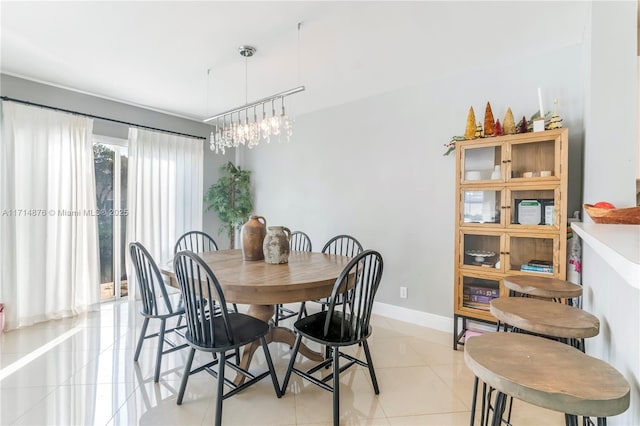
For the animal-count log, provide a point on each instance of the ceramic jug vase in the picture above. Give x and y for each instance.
(252, 236)
(276, 245)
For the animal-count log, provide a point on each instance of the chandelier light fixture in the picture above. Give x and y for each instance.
(254, 122)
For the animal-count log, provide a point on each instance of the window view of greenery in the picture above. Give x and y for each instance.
(110, 164)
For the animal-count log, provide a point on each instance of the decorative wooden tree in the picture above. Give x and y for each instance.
(470, 130)
(479, 133)
(555, 122)
(497, 129)
(488, 121)
(509, 123)
(522, 125)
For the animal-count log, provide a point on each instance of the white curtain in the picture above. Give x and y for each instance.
(48, 232)
(164, 192)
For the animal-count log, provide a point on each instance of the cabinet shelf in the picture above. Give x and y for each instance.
(510, 210)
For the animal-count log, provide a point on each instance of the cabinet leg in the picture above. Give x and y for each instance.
(455, 332)
(458, 334)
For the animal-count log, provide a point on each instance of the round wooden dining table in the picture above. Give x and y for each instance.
(307, 276)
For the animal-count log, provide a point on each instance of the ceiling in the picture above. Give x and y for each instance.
(157, 54)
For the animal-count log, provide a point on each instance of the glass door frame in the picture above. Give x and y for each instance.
(118, 145)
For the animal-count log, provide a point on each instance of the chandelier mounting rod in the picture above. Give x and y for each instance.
(258, 102)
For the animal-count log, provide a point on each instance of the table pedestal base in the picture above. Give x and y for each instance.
(276, 334)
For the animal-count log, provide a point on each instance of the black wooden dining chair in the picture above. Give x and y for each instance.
(157, 304)
(217, 334)
(299, 241)
(195, 241)
(343, 245)
(341, 325)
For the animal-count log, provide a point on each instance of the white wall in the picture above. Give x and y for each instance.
(611, 110)
(610, 169)
(375, 169)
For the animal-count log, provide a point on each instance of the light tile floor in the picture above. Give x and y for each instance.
(80, 371)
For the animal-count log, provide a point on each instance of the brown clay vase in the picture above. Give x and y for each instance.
(252, 236)
(276, 245)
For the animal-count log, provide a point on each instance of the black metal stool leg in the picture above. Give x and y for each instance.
(474, 397)
(484, 406)
(498, 410)
(570, 420)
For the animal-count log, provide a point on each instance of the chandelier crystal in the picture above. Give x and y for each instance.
(242, 126)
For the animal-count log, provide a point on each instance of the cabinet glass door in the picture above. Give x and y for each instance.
(535, 254)
(481, 206)
(478, 291)
(534, 160)
(534, 206)
(481, 250)
(481, 163)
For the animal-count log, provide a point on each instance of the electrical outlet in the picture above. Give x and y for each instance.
(403, 292)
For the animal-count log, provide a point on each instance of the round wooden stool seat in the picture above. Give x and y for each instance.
(547, 287)
(548, 374)
(545, 317)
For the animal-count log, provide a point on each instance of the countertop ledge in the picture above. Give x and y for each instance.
(618, 245)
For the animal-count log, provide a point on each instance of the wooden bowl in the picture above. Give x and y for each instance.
(628, 216)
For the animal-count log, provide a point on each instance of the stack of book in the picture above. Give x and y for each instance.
(478, 297)
(542, 266)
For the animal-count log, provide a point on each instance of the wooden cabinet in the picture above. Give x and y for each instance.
(511, 217)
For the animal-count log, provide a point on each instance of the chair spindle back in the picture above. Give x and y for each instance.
(195, 241)
(150, 282)
(344, 245)
(202, 296)
(299, 241)
(355, 290)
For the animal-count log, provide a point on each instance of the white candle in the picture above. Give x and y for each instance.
(540, 102)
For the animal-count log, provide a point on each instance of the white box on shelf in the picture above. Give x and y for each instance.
(538, 125)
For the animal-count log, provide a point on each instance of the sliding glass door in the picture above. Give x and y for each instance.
(110, 160)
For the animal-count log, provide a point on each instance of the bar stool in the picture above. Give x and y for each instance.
(554, 320)
(544, 287)
(547, 374)
(545, 318)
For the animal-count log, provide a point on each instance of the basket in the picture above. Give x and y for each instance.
(627, 216)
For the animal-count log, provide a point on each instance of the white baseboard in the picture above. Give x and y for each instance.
(424, 319)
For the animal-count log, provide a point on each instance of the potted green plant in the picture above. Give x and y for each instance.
(230, 198)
